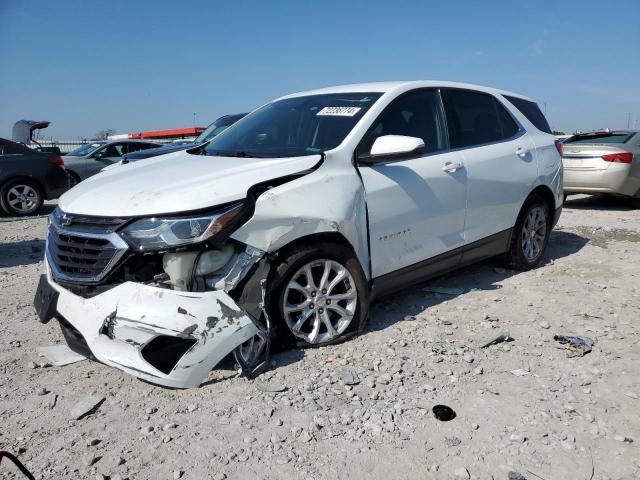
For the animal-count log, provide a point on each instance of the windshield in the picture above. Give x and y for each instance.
(217, 127)
(606, 137)
(85, 149)
(294, 127)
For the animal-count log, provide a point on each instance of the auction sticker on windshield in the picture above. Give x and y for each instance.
(338, 111)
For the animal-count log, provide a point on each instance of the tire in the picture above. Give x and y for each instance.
(74, 178)
(635, 202)
(526, 252)
(321, 307)
(21, 197)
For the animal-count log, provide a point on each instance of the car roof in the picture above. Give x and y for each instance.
(400, 86)
(128, 140)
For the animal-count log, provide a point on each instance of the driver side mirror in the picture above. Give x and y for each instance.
(100, 154)
(393, 147)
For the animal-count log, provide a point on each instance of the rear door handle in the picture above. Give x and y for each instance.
(451, 167)
(521, 152)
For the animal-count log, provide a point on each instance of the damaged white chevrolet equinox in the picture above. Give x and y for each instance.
(290, 222)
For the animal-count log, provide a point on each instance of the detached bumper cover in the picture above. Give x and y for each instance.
(167, 337)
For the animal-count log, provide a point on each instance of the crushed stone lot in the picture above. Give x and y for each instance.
(521, 406)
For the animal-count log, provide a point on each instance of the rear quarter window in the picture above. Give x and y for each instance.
(531, 111)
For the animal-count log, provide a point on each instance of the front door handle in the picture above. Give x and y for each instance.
(451, 167)
(521, 152)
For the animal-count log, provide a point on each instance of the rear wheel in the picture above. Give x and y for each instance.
(322, 294)
(530, 234)
(20, 197)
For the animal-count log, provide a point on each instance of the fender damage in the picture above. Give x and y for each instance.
(165, 334)
(172, 333)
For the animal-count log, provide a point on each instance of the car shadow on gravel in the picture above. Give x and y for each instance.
(487, 275)
(26, 252)
(599, 202)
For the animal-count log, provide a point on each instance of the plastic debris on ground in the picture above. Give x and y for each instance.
(60, 355)
(515, 476)
(575, 346)
(86, 406)
(504, 337)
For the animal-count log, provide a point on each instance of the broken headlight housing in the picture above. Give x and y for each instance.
(163, 233)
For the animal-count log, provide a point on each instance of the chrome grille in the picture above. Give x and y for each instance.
(82, 256)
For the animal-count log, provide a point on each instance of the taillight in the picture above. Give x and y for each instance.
(559, 147)
(625, 157)
(57, 161)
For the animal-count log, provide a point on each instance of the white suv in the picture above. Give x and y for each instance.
(289, 223)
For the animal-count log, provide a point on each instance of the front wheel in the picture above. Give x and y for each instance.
(322, 294)
(20, 197)
(530, 235)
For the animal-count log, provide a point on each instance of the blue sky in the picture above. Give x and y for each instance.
(143, 65)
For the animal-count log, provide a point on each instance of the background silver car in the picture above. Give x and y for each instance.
(89, 159)
(603, 162)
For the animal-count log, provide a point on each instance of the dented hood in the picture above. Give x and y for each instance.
(176, 182)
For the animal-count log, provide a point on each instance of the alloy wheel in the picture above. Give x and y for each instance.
(534, 233)
(319, 301)
(251, 351)
(22, 198)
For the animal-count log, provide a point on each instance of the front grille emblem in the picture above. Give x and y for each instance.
(65, 220)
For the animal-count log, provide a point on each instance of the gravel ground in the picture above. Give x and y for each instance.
(522, 406)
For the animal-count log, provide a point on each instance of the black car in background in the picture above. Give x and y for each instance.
(28, 178)
(211, 131)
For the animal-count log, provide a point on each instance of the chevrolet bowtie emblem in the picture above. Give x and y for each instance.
(65, 220)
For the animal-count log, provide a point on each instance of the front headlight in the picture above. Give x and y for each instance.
(162, 233)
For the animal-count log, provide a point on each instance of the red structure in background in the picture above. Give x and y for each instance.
(173, 133)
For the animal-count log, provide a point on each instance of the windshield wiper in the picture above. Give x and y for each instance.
(239, 153)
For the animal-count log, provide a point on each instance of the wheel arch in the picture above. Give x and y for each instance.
(37, 182)
(283, 260)
(547, 195)
(321, 237)
(72, 173)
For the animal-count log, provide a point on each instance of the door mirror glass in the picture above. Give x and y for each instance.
(101, 154)
(394, 147)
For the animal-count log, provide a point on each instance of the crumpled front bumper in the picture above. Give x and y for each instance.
(132, 323)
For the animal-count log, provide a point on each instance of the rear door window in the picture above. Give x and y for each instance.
(476, 118)
(531, 111)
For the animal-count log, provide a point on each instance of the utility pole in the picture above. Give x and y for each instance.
(545, 109)
(628, 120)
(194, 119)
